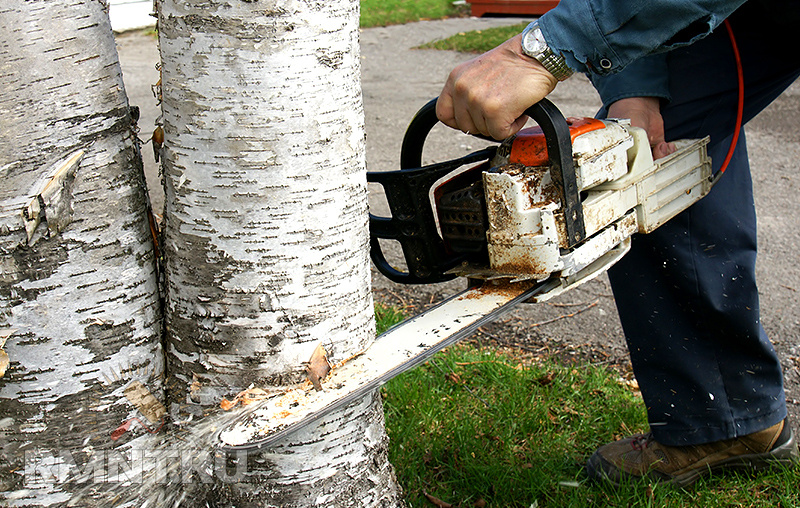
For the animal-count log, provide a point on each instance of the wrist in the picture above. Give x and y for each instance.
(645, 105)
(534, 65)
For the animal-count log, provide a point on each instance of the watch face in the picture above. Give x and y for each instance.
(534, 43)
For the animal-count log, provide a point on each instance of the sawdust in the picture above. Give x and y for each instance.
(244, 397)
(501, 286)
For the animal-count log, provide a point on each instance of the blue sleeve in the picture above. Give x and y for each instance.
(645, 77)
(605, 36)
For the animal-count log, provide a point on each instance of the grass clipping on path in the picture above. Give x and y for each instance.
(474, 427)
(478, 41)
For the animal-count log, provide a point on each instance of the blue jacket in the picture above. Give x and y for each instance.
(602, 37)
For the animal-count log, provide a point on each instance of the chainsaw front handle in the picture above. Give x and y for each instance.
(412, 222)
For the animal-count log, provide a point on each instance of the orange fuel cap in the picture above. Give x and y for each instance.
(530, 149)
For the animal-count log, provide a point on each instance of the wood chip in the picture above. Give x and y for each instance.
(145, 402)
(4, 361)
(318, 367)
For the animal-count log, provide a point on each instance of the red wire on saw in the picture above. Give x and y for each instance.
(740, 106)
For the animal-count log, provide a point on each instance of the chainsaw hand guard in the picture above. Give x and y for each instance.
(413, 223)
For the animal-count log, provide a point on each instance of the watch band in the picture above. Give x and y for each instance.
(557, 66)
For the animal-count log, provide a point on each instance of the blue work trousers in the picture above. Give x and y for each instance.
(686, 293)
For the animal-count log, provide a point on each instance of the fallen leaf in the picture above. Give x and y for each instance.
(480, 503)
(546, 379)
(436, 501)
(631, 384)
(318, 367)
(227, 405)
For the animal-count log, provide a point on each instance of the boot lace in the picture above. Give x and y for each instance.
(643, 441)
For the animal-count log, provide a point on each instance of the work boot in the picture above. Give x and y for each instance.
(641, 456)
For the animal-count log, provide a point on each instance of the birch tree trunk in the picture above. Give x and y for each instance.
(266, 231)
(79, 303)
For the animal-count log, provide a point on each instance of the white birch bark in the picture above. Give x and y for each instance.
(266, 230)
(78, 293)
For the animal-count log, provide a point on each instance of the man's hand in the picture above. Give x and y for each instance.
(489, 94)
(644, 112)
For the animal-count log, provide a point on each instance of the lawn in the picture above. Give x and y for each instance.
(476, 427)
(393, 12)
(477, 41)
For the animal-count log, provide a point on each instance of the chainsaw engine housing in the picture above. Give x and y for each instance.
(540, 207)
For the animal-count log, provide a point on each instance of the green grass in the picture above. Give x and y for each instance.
(386, 317)
(393, 12)
(478, 41)
(475, 428)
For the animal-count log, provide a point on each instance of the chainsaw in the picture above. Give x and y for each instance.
(525, 220)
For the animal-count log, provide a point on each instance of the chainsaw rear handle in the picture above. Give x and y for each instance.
(412, 222)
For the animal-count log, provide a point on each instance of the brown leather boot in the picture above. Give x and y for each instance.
(641, 456)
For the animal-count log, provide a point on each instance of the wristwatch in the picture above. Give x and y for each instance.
(534, 45)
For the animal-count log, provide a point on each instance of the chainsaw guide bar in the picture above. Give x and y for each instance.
(397, 350)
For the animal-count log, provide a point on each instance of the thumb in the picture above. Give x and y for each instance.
(519, 123)
(662, 148)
